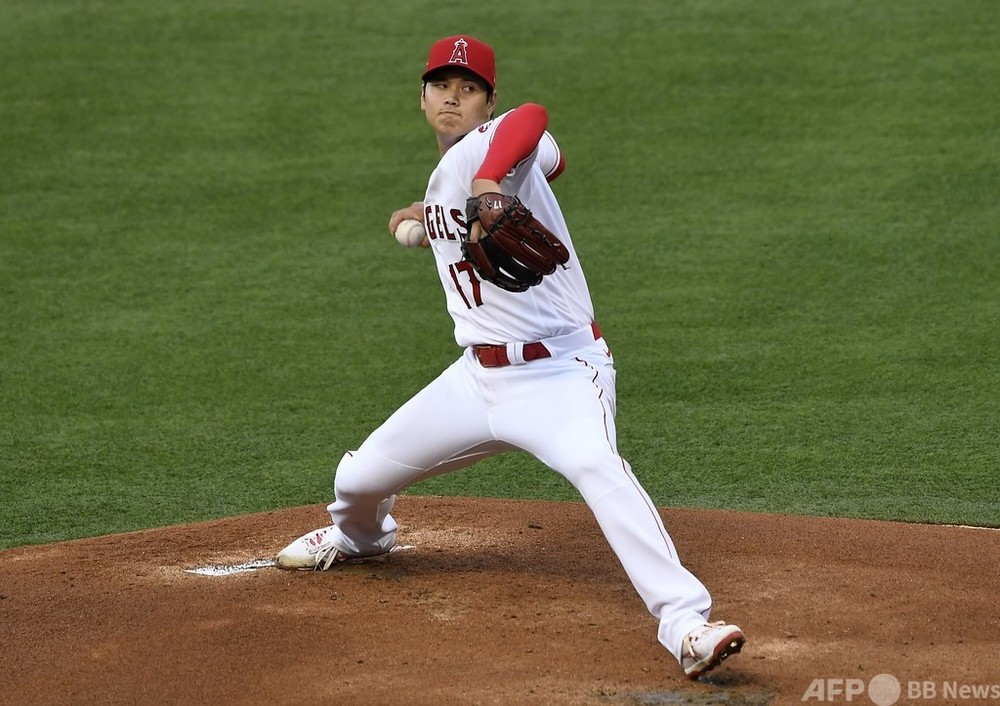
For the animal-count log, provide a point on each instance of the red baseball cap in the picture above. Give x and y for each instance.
(465, 52)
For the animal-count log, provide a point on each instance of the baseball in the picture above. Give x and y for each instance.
(410, 233)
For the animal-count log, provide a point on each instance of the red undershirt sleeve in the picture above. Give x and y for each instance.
(516, 137)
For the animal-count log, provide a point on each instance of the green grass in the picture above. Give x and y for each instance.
(788, 215)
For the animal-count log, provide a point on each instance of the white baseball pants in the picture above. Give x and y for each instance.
(560, 410)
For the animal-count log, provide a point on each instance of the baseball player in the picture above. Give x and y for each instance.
(535, 374)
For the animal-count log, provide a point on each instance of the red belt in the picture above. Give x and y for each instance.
(496, 356)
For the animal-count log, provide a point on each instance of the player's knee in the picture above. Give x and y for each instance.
(582, 467)
(348, 481)
(358, 477)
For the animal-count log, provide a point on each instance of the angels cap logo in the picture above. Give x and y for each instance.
(460, 55)
(461, 50)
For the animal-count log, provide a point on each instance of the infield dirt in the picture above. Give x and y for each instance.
(494, 602)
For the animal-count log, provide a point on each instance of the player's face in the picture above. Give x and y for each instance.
(455, 103)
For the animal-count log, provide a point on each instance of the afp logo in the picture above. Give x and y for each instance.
(886, 690)
(883, 690)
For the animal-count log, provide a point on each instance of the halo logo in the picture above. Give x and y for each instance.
(460, 54)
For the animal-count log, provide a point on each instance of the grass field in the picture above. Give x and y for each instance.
(788, 214)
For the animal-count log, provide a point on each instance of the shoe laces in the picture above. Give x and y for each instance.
(689, 643)
(326, 557)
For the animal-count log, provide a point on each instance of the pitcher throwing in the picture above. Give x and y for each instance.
(535, 374)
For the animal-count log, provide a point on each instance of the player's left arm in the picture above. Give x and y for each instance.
(550, 158)
(516, 139)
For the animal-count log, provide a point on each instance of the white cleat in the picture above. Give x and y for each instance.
(706, 647)
(313, 551)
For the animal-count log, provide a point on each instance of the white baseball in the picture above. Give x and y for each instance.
(410, 233)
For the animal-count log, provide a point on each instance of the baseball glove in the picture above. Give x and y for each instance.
(514, 250)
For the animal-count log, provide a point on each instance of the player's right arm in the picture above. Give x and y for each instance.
(414, 211)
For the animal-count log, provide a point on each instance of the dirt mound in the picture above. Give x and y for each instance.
(496, 602)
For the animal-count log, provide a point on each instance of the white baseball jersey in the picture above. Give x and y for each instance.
(483, 312)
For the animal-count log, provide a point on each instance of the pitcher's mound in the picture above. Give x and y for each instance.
(494, 602)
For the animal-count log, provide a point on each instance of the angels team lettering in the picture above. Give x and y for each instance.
(443, 225)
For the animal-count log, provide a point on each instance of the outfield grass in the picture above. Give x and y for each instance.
(788, 214)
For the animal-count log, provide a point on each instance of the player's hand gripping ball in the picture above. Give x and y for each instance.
(410, 233)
